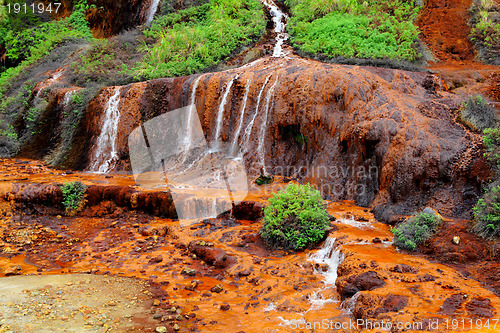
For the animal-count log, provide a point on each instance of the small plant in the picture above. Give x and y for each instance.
(295, 218)
(477, 114)
(74, 197)
(487, 214)
(416, 229)
(492, 147)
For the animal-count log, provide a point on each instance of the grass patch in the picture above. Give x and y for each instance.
(32, 44)
(376, 29)
(485, 33)
(199, 37)
(295, 218)
(416, 229)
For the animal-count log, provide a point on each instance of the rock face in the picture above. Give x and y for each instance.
(384, 138)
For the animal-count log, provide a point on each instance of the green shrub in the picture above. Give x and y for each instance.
(416, 229)
(295, 218)
(477, 114)
(377, 29)
(74, 197)
(487, 214)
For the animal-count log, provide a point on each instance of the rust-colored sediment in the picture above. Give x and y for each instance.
(264, 288)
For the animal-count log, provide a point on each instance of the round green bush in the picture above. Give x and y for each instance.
(295, 218)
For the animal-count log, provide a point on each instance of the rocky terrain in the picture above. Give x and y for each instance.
(379, 143)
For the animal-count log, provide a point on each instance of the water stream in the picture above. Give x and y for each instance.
(105, 153)
(220, 114)
(263, 127)
(248, 130)
(280, 21)
(240, 122)
(153, 7)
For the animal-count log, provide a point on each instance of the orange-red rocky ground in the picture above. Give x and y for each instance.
(219, 276)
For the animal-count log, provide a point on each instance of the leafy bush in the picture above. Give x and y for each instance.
(416, 230)
(200, 37)
(295, 218)
(477, 114)
(487, 214)
(355, 29)
(74, 197)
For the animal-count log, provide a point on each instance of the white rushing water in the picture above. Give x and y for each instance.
(332, 257)
(67, 98)
(105, 153)
(153, 7)
(242, 115)
(192, 108)
(280, 20)
(248, 129)
(263, 127)
(222, 106)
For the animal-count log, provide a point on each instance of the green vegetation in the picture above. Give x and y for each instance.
(295, 218)
(199, 37)
(73, 197)
(487, 209)
(485, 33)
(31, 44)
(264, 180)
(492, 147)
(477, 114)
(380, 29)
(416, 229)
(487, 214)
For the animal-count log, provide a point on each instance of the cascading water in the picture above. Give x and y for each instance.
(189, 130)
(332, 257)
(263, 127)
(248, 130)
(280, 20)
(220, 114)
(105, 153)
(242, 114)
(153, 7)
(67, 98)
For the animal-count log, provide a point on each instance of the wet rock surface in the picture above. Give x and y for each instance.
(191, 287)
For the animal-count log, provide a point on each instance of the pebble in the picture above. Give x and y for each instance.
(217, 289)
(161, 329)
(156, 302)
(157, 316)
(176, 327)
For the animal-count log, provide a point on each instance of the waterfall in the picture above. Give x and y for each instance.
(192, 107)
(280, 20)
(105, 154)
(220, 114)
(248, 130)
(67, 98)
(263, 128)
(153, 7)
(242, 114)
(330, 256)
